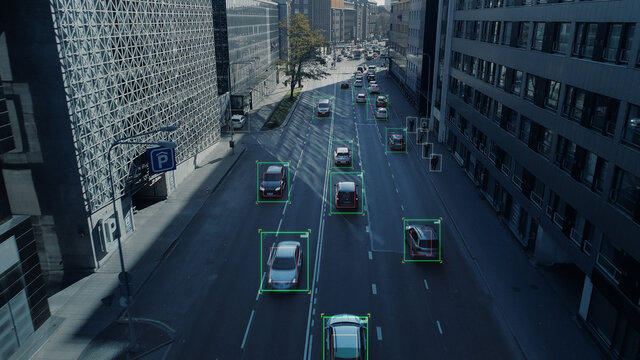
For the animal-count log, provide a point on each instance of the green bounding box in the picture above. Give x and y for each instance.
(429, 225)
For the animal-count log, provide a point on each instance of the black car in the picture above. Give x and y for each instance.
(346, 195)
(344, 85)
(423, 241)
(273, 181)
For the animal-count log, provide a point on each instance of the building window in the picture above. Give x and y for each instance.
(523, 34)
(552, 94)
(538, 36)
(495, 32)
(631, 132)
(618, 43)
(604, 114)
(502, 73)
(585, 40)
(530, 91)
(608, 259)
(506, 38)
(477, 29)
(574, 103)
(625, 193)
(561, 38)
(459, 28)
(516, 84)
(593, 171)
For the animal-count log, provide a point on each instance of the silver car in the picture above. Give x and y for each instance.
(285, 265)
(346, 337)
(423, 241)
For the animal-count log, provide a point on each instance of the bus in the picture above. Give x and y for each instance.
(357, 54)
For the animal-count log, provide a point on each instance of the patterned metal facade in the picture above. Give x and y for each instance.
(130, 67)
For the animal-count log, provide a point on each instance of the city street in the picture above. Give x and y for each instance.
(208, 288)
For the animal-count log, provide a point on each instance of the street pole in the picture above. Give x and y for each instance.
(124, 277)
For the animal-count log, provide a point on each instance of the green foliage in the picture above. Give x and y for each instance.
(305, 60)
(280, 113)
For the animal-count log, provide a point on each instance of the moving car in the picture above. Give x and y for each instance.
(396, 141)
(324, 107)
(381, 101)
(344, 85)
(346, 337)
(346, 195)
(372, 69)
(273, 181)
(381, 113)
(360, 69)
(371, 77)
(342, 156)
(423, 241)
(358, 83)
(285, 265)
(374, 89)
(237, 121)
(361, 98)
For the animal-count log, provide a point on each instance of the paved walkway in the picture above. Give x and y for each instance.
(87, 319)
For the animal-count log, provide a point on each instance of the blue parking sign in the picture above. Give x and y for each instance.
(161, 159)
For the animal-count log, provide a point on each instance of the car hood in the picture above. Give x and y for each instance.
(282, 275)
(270, 184)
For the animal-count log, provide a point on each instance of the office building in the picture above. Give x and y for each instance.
(23, 294)
(539, 103)
(82, 74)
(247, 48)
(399, 40)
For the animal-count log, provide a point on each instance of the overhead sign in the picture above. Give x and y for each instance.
(161, 159)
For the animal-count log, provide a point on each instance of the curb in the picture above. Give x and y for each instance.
(285, 123)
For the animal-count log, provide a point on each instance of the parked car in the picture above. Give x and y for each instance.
(324, 107)
(237, 121)
(381, 113)
(285, 265)
(423, 241)
(374, 89)
(346, 337)
(342, 156)
(381, 101)
(273, 181)
(358, 83)
(396, 141)
(361, 98)
(344, 85)
(346, 195)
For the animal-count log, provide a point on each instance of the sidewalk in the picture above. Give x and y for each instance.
(83, 310)
(538, 311)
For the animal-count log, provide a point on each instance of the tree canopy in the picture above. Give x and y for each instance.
(305, 60)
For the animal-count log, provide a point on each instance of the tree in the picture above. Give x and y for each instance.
(305, 59)
(382, 24)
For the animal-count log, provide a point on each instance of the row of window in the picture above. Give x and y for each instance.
(591, 110)
(603, 42)
(581, 164)
(479, 4)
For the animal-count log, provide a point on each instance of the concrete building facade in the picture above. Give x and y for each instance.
(538, 102)
(82, 76)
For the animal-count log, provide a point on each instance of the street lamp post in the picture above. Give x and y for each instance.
(124, 277)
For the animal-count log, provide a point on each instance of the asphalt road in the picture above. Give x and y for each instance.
(208, 288)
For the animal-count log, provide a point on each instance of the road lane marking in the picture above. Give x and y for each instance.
(374, 289)
(310, 343)
(279, 224)
(247, 331)
(425, 284)
(367, 228)
(402, 206)
(370, 255)
(379, 331)
(261, 282)
(397, 191)
(439, 327)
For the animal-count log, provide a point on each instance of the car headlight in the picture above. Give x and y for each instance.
(261, 188)
(278, 188)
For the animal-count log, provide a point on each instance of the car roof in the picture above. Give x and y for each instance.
(381, 109)
(423, 231)
(346, 186)
(360, 94)
(323, 101)
(236, 116)
(274, 168)
(382, 97)
(286, 248)
(342, 149)
(346, 341)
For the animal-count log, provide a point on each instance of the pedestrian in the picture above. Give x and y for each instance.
(425, 148)
(411, 125)
(434, 161)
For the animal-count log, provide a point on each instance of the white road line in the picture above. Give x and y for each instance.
(379, 331)
(313, 321)
(261, 282)
(367, 228)
(279, 224)
(397, 191)
(425, 284)
(439, 327)
(402, 206)
(392, 176)
(315, 300)
(247, 331)
(370, 255)
(310, 343)
(374, 289)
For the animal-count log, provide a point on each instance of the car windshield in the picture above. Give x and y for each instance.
(346, 196)
(346, 342)
(283, 263)
(323, 106)
(343, 154)
(272, 177)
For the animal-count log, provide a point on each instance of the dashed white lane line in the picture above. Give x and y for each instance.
(374, 289)
(397, 191)
(367, 228)
(425, 284)
(310, 343)
(379, 332)
(279, 224)
(244, 340)
(439, 327)
(261, 282)
(402, 207)
(370, 256)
